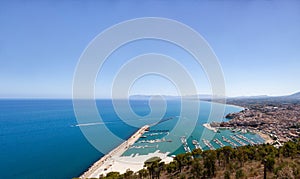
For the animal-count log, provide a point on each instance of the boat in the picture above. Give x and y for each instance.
(208, 144)
(229, 141)
(197, 145)
(217, 141)
(244, 131)
(237, 140)
(185, 144)
(245, 139)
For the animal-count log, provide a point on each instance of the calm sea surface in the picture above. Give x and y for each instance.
(40, 139)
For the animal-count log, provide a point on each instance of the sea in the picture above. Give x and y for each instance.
(41, 138)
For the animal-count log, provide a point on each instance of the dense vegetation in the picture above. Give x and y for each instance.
(261, 161)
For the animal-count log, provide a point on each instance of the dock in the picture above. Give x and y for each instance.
(229, 141)
(185, 144)
(196, 144)
(208, 144)
(246, 139)
(217, 141)
(238, 140)
(118, 151)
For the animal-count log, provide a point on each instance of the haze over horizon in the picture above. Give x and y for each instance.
(256, 42)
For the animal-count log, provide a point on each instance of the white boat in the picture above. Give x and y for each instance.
(208, 144)
(197, 145)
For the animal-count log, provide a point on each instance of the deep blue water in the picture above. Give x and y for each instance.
(39, 139)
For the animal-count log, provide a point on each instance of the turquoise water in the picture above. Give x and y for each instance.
(39, 138)
(199, 133)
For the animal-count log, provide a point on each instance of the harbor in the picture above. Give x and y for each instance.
(246, 139)
(185, 144)
(156, 141)
(196, 144)
(117, 152)
(217, 141)
(237, 140)
(229, 141)
(208, 144)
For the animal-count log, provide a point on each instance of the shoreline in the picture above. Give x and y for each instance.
(116, 152)
(114, 161)
(208, 126)
(267, 139)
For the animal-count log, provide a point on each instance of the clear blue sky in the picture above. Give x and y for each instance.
(257, 43)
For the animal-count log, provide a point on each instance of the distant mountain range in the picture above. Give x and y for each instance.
(295, 96)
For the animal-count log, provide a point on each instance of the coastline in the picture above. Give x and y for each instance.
(117, 152)
(208, 126)
(114, 161)
(267, 139)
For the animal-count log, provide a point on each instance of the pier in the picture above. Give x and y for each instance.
(155, 141)
(217, 141)
(185, 145)
(142, 147)
(196, 144)
(238, 140)
(118, 151)
(246, 139)
(229, 141)
(208, 144)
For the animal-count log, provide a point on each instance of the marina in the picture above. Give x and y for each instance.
(229, 141)
(208, 144)
(245, 139)
(196, 144)
(185, 144)
(217, 141)
(155, 141)
(142, 147)
(238, 140)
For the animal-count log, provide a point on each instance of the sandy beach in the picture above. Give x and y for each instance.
(114, 161)
(123, 163)
(266, 137)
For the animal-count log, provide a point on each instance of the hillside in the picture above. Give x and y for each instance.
(260, 161)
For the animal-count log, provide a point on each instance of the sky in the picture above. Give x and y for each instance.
(256, 42)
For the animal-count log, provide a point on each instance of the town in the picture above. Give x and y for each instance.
(280, 120)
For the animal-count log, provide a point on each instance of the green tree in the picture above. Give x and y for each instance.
(128, 174)
(227, 152)
(159, 168)
(239, 174)
(143, 173)
(219, 157)
(197, 153)
(113, 175)
(227, 175)
(270, 162)
(197, 168)
(209, 160)
(151, 164)
(154, 166)
(289, 149)
(241, 156)
(180, 160)
(171, 167)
